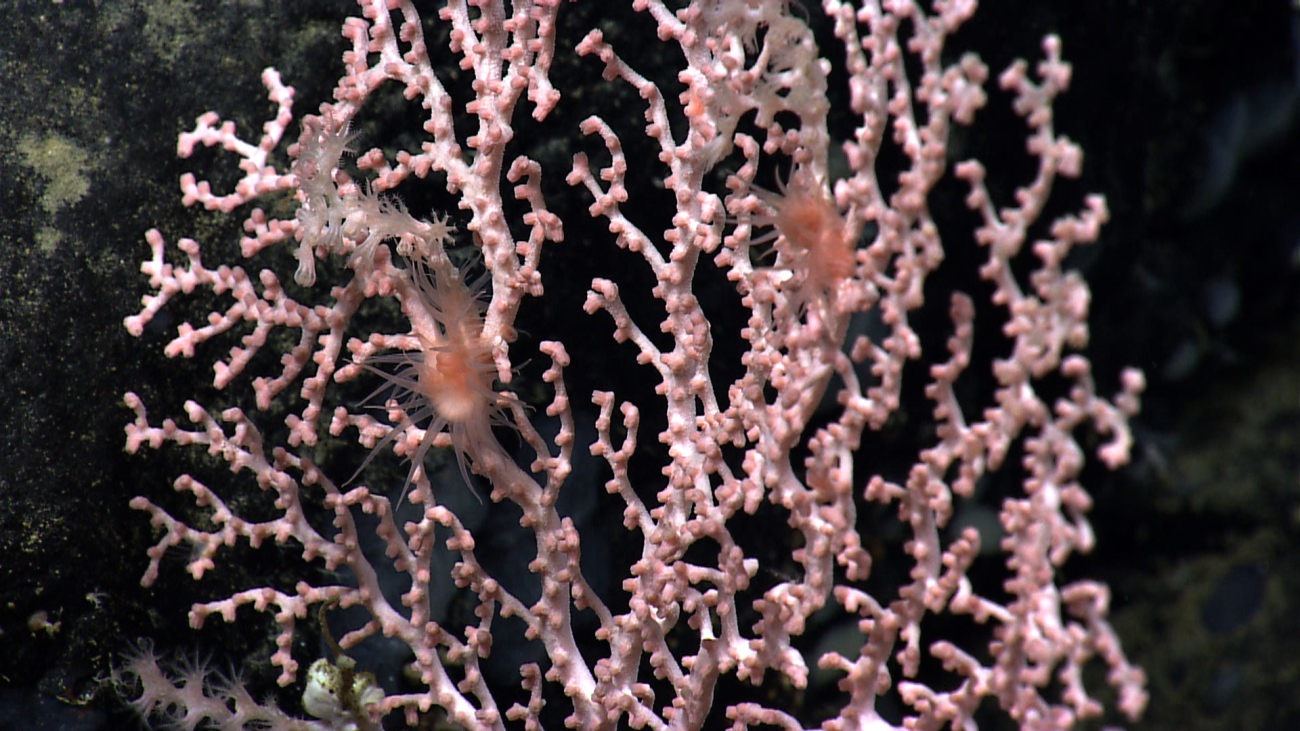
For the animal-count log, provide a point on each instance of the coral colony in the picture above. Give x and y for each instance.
(682, 638)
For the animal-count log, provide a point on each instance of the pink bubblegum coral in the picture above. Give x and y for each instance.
(692, 608)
